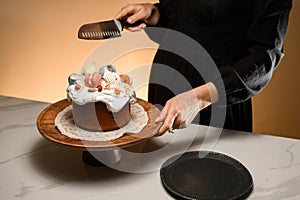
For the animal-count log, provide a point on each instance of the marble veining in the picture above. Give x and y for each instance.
(291, 162)
(31, 153)
(33, 168)
(24, 190)
(286, 190)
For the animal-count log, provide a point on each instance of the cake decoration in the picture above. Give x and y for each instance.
(106, 86)
(101, 100)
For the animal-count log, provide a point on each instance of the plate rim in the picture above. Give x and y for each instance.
(168, 163)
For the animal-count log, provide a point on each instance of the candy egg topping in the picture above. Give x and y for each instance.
(106, 86)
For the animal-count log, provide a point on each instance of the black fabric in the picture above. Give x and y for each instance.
(244, 38)
(165, 85)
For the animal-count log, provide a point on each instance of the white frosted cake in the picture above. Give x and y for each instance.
(101, 100)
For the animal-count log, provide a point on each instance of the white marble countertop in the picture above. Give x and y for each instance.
(32, 167)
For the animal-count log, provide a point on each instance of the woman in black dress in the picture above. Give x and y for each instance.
(243, 37)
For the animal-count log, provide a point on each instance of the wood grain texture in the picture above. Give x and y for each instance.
(47, 128)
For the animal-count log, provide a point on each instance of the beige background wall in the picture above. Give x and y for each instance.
(39, 49)
(277, 107)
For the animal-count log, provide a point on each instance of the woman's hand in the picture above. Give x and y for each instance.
(145, 12)
(180, 110)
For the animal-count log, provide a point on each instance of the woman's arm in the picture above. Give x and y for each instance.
(265, 39)
(180, 110)
(247, 76)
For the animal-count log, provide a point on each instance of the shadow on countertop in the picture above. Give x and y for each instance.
(66, 165)
(62, 165)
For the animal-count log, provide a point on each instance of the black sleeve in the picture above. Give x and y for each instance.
(249, 75)
(162, 22)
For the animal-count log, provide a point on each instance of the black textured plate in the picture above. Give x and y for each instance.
(206, 175)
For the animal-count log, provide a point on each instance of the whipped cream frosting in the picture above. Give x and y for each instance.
(114, 91)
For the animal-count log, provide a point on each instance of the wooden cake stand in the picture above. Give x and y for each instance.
(47, 128)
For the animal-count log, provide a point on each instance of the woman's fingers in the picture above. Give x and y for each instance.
(137, 28)
(168, 116)
(178, 113)
(133, 12)
(177, 122)
(161, 119)
(162, 114)
(167, 125)
(125, 11)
